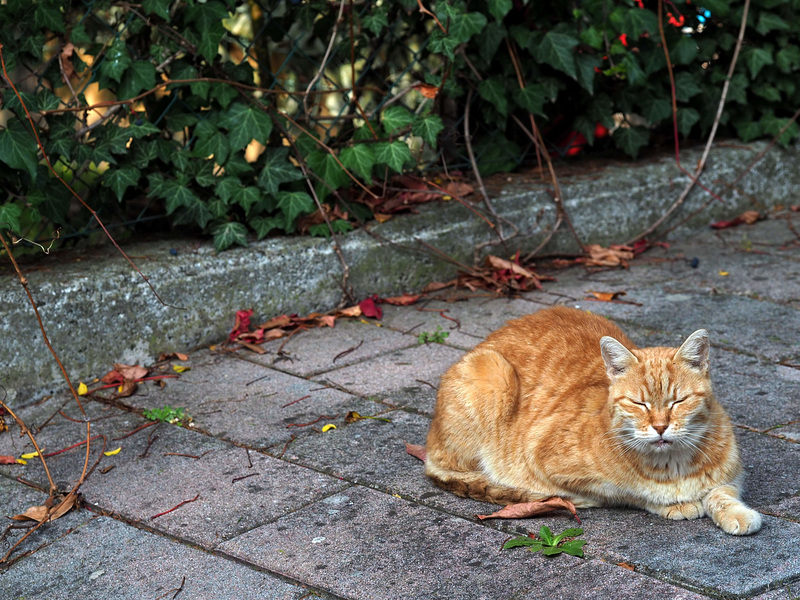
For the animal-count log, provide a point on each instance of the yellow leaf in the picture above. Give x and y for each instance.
(212, 348)
(113, 452)
(30, 455)
(723, 273)
(180, 368)
(22, 462)
(119, 389)
(328, 427)
(446, 197)
(82, 389)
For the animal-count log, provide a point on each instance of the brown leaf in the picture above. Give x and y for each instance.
(167, 355)
(434, 286)
(614, 256)
(606, 296)
(501, 263)
(352, 417)
(381, 217)
(128, 388)
(254, 347)
(39, 513)
(281, 321)
(352, 311)
(112, 376)
(748, 217)
(416, 451)
(328, 320)
(403, 300)
(274, 334)
(625, 565)
(131, 371)
(7, 460)
(459, 188)
(531, 509)
(427, 90)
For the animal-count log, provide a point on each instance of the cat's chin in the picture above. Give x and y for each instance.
(661, 445)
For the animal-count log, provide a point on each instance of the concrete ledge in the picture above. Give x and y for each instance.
(98, 311)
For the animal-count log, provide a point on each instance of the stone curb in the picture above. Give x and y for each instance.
(99, 311)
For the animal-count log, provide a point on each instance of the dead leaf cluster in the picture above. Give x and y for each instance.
(501, 276)
(616, 255)
(748, 217)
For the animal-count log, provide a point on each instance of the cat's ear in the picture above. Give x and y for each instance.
(694, 351)
(617, 357)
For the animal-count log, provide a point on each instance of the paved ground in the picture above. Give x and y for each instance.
(283, 510)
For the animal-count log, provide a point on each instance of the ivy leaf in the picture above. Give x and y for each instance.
(375, 22)
(117, 60)
(768, 92)
(196, 213)
(499, 8)
(246, 197)
(555, 50)
(294, 204)
(227, 187)
(48, 16)
(592, 37)
(587, 64)
(687, 117)
(157, 7)
(748, 130)
(684, 51)
(359, 159)
(787, 59)
(685, 86)
(228, 234)
(223, 93)
(463, 27)
(206, 20)
(586, 126)
(210, 142)
(119, 180)
(176, 195)
(264, 225)
(237, 165)
(531, 98)
(493, 90)
(631, 139)
(324, 164)
(395, 154)
(768, 21)
(638, 21)
(441, 43)
(656, 110)
(428, 128)
(773, 125)
(396, 117)
(140, 76)
(245, 123)
(18, 149)
(277, 170)
(756, 59)
(633, 71)
(9, 217)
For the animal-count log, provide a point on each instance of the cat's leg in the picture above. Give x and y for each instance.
(679, 511)
(729, 513)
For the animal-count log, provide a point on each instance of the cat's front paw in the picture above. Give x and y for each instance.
(738, 520)
(683, 510)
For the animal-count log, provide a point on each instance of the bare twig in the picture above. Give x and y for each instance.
(693, 179)
(324, 58)
(425, 11)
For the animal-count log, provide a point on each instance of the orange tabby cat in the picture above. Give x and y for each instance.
(562, 403)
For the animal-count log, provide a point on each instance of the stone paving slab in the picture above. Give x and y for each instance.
(771, 467)
(403, 378)
(318, 350)
(367, 545)
(696, 553)
(16, 499)
(265, 412)
(233, 496)
(106, 559)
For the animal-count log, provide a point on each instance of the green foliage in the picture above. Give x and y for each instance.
(435, 337)
(216, 155)
(168, 414)
(549, 544)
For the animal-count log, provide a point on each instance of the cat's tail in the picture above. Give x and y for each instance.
(474, 484)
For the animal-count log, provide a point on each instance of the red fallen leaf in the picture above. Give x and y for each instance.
(369, 308)
(748, 218)
(131, 371)
(427, 90)
(112, 376)
(7, 460)
(242, 324)
(328, 320)
(403, 300)
(416, 451)
(531, 509)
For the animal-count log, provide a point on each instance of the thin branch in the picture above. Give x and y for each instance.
(701, 165)
(425, 11)
(324, 58)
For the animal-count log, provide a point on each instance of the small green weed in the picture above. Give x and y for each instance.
(168, 414)
(548, 544)
(437, 337)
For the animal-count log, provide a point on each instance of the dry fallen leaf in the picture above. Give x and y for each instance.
(748, 218)
(427, 90)
(530, 509)
(605, 296)
(625, 565)
(614, 256)
(416, 451)
(128, 388)
(7, 460)
(403, 300)
(131, 371)
(39, 513)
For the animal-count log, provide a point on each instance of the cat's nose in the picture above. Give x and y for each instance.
(660, 428)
